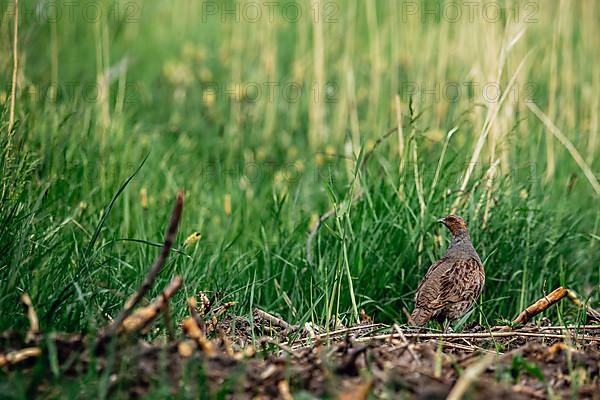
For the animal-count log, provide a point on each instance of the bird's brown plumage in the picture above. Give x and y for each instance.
(453, 283)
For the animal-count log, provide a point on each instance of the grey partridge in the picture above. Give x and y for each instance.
(452, 284)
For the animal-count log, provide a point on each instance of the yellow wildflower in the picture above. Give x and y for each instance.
(193, 238)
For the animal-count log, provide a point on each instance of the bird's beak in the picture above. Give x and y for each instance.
(441, 221)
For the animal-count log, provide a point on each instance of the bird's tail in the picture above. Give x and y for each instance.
(420, 316)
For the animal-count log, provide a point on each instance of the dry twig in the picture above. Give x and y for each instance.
(481, 335)
(341, 332)
(192, 330)
(144, 316)
(34, 323)
(540, 305)
(195, 328)
(219, 311)
(545, 302)
(193, 308)
(154, 269)
(280, 323)
(15, 357)
(568, 327)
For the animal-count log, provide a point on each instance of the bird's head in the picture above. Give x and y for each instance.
(454, 223)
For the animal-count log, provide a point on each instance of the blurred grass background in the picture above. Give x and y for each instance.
(262, 121)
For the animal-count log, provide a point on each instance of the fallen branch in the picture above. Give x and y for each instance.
(483, 335)
(280, 323)
(18, 356)
(154, 269)
(540, 305)
(144, 316)
(340, 332)
(568, 327)
(193, 331)
(545, 302)
(193, 308)
(195, 328)
(216, 314)
(464, 347)
(219, 311)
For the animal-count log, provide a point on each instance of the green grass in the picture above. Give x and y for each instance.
(70, 156)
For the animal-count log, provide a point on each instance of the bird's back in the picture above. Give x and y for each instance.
(450, 286)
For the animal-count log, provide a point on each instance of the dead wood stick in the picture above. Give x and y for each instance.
(216, 313)
(540, 305)
(192, 330)
(351, 329)
(568, 327)
(552, 327)
(193, 308)
(339, 332)
(275, 320)
(545, 302)
(465, 347)
(195, 328)
(219, 311)
(17, 356)
(34, 323)
(483, 335)
(144, 316)
(156, 266)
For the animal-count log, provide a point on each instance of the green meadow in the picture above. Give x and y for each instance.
(270, 115)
